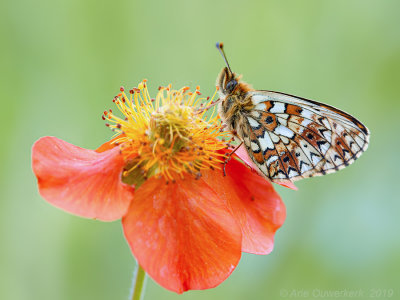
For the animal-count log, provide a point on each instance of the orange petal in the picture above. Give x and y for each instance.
(243, 155)
(108, 145)
(182, 234)
(254, 202)
(288, 184)
(80, 181)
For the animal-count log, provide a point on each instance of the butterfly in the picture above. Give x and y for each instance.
(288, 137)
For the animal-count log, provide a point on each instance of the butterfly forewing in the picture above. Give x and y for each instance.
(290, 138)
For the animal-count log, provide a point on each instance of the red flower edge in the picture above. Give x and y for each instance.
(81, 181)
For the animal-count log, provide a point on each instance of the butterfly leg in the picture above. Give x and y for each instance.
(230, 156)
(212, 104)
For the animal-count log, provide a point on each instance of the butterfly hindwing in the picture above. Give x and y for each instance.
(290, 138)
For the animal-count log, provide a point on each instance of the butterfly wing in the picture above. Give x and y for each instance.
(290, 138)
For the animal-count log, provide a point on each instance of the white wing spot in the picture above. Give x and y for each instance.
(253, 123)
(285, 140)
(258, 99)
(354, 147)
(316, 159)
(307, 114)
(282, 121)
(260, 106)
(255, 114)
(284, 116)
(328, 135)
(307, 150)
(266, 142)
(324, 148)
(278, 108)
(306, 122)
(326, 123)
(255, 147)
(359, 140)
(281, 176)
(282, 130)
(304, 167)
(328, 165)
(274, 138)
(293, 173)
(271, 159)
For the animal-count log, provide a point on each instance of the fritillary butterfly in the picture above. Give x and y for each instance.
(288, 137)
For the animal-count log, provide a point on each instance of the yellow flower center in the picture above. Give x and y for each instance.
(168, 136)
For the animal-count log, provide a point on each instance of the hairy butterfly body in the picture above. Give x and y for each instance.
(287, 137)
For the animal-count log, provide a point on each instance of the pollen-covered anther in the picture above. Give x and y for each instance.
(168, 135)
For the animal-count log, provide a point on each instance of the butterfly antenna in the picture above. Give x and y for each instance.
(220, 47)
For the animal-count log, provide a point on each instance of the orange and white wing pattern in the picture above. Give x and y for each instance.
(290, 138)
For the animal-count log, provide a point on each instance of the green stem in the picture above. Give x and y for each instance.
(138, 283)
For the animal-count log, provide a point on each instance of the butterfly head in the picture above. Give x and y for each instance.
(227, 81)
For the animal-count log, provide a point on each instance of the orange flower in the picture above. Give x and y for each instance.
(186, 223)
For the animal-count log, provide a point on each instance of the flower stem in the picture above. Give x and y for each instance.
(138, 283)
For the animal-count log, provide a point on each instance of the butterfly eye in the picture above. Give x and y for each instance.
(230, 86)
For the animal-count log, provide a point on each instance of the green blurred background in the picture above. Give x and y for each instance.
(63, 61)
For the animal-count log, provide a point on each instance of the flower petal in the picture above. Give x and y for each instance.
(243, 155)
(254, 202)
(81, 181)
(288, 184)
(109, 145)
(182, 234)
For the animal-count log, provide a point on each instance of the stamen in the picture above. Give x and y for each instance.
(167, 135)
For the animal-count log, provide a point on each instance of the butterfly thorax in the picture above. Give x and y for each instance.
(235, 105)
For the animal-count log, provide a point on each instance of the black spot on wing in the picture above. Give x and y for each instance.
(320, 143)
(322, 130)
(291, 169)
(314, 154)
(269, 120)
(320, 119)
(282, 172)
(302, 162)
(337, 157)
